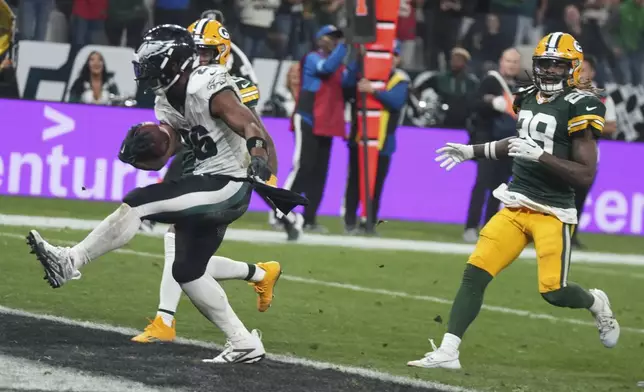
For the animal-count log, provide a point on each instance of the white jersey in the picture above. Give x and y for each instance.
(217, 148)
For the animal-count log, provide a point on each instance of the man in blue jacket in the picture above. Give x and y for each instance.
(393, 98)
(318, 117)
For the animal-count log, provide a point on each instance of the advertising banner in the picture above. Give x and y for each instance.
(70, 151)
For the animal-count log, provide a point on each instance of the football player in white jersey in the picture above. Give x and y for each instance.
(231, 159)
(213, 46)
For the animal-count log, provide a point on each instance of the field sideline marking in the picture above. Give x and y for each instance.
(367, 373)
(263, 236)
(390, 293)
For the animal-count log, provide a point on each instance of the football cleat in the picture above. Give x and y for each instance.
(606, 323)
(242, 348)
(440, 358)
(266, 286)
(56, 260)
(157, 331)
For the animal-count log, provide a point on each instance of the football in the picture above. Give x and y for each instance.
(160, 138)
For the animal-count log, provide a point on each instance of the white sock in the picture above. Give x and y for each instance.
(112, 233)
(223, 268)
(165, 316)
(169, 291)
(450, 342)
(211, 300)
(597, 304)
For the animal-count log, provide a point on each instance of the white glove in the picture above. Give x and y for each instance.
(453, 154)
(524, 148)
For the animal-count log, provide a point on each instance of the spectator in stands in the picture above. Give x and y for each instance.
(507, 12)
(288, 23)
(485, 43)
(94, 84)
(554, 13)
(442, 23)
(88, 18)
(594, 37)
(327, 11)
(610, 128)
(629, 40)
(8, 84)
(256, 19)
(319, 116)
(454, 88)
(493, 119)
(128, 15)
(393, 98)
(172, 12)
(406, 31)
(33, 18)
(529, 22)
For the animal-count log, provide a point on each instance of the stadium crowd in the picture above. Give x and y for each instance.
(609, 30)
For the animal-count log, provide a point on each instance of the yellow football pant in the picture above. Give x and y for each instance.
(510, 230)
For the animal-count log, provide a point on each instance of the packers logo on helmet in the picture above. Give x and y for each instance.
(556, 62)
(212, 39)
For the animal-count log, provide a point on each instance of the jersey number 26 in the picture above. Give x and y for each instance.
(200, 142)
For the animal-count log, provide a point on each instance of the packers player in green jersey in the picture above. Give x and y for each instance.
(559, 120)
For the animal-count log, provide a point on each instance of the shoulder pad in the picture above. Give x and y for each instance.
(209, 79)
(404, 76)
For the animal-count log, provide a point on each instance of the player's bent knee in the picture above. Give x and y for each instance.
(549, 284)
(186, 272)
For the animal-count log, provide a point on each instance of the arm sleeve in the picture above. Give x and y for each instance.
(395, 98)
(589, 113)
(326, 66)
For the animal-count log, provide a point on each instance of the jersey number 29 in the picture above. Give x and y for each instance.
(540, 127)
(200, 142)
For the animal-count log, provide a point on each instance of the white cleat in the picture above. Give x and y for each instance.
(440, 358)
(242, 348)
(56, 260)
(606, 323)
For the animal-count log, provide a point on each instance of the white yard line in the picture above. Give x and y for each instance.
(278, 358)
(389, 293)
(272, 237)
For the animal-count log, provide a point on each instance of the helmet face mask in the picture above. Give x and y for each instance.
(556, 63)
(551, 75)
(163, 56)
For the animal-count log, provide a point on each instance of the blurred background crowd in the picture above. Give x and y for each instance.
(612, 31)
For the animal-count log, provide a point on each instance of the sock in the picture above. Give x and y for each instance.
(112, 233)
(223, 268)
(450, 342)
(468, 301)
(211, 300)
(169, 290)
(572, 296)
(166, 315)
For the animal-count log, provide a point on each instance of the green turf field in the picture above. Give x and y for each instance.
(505, 350)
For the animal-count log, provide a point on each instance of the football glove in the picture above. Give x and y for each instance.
(524, 148)
(453, 154)
(259, 169)
(136, 146)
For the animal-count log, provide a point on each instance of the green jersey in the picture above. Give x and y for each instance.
(249, 97)
(553, 125)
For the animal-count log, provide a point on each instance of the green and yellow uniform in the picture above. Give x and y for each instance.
(540, 206)
(553, 125)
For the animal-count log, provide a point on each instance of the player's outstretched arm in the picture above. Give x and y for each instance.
(580, 170)
(454, 153)
(242, 121)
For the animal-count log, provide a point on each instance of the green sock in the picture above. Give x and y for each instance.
(468, 301)
(571, 296)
